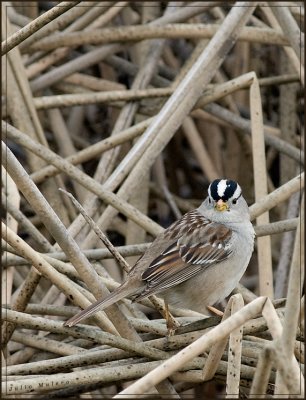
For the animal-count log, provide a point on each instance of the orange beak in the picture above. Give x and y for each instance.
(221, 205)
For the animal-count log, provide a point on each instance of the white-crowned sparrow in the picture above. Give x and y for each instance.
(197, 261)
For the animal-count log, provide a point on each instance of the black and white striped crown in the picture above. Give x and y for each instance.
(224, 189)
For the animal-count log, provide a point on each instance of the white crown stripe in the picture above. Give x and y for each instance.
(221, 187)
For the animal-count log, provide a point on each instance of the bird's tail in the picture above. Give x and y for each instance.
(118, 294)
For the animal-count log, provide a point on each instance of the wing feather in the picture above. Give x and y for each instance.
(195, 243)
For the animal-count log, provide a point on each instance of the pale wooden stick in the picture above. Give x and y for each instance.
(286, 248)
(55, 277)
(107, 162)
(217, 350)
(121, 261)
(91, 254)
(262, 374)
(276, 227)
(64, 142)
(24, 116)
(77, 64)
(199, 149)
(69, 100)
(139, 32)
(289, 375)
(35, 25)
(61, 71)
(13, 198)
(178, 105)
(292, 312)
(85, 180)
(264, 253)
(277, 196)
(290, 28)
(234, 353)
(94, 150)
(74, 19)
(29, 322)
(171, 201)
(177, 361)
(59, 232)
(293, 57)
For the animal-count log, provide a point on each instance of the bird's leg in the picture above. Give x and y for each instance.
(172, 324)
(163, 308)
(215, 311)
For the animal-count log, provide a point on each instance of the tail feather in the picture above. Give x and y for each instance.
(99, 305)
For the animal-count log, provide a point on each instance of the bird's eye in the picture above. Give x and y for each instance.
(234, 201)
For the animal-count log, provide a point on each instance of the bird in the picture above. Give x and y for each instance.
(197, 261)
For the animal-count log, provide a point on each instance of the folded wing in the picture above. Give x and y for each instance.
(195, 243)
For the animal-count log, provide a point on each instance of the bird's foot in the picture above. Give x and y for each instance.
(215, 311)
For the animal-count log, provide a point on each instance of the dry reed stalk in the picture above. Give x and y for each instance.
(64, 142)
(289, 27)
(32, 279)
(43, 343)
(276, 227)
(35, 25)
(57, 229)
(169, 31)
(201, 153)
(160, 180)
(91, 254)
(92, 83)
(59, 72)
(29, 322)
(94, 150)
(293, 57)
(216, 351)
(234, 353)
(292, 312)
(177, 107)
(262, 374)
(69, 100)
(23, 114)
(77, 64)
(174, 363)
(124, 120)
(148, 67)
(264, 253)
(288, 123)
(41, 243)
(282, 269)
(85, 180)
(13, 198)
(26, 290)
(72, 19)
(55, 277)
(277, 196)
(171, 201)
(245, 125)
(209, 95)
(289, 377)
